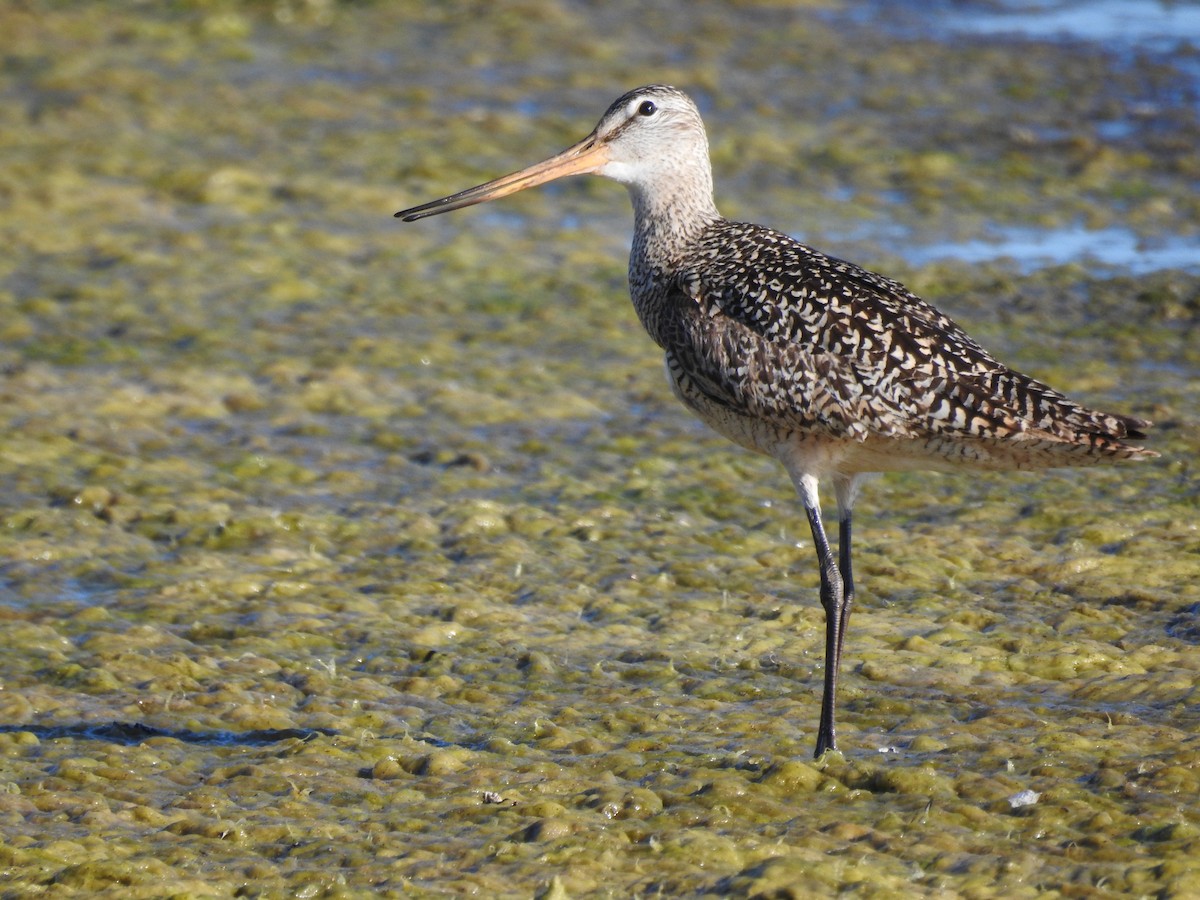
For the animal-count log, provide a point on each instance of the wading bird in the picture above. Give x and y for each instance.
(830, 369)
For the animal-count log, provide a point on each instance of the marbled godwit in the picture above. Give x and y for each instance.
(830, 369)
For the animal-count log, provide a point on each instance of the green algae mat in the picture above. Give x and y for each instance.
(344, 558)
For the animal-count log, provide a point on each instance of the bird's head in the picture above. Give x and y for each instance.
(646, 136)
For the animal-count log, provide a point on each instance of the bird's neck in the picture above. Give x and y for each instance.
(668, 222)
(667, 231)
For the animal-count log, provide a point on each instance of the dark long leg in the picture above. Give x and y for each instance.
(846, 488)
(833, 599)
(847, 576)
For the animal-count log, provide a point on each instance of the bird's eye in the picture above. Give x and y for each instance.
(647, 108)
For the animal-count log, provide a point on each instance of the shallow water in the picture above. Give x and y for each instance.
(1033, 248)
(1155, 23)
(343, 557)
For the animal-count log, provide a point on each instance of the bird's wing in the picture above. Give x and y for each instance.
(797, 338)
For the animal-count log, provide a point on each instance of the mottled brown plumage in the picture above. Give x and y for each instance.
(833, 370)
(805, 347)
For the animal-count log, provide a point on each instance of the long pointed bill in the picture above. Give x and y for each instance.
(589, 155)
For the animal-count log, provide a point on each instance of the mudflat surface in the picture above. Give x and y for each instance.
(345, 557)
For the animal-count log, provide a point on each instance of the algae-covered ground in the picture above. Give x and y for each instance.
(344, 557)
